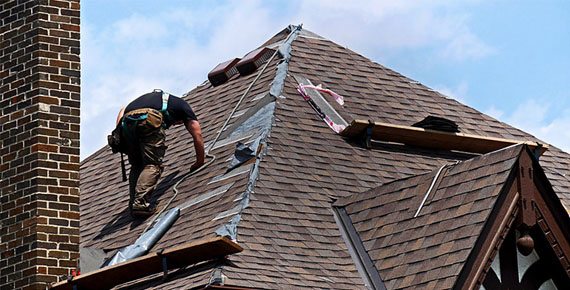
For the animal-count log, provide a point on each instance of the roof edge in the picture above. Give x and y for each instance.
(363, 262)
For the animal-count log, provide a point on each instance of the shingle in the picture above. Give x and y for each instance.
(446, 231)
(288, 229)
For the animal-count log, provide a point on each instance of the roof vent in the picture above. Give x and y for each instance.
(223, 72)
(437, 123)
(253, 60)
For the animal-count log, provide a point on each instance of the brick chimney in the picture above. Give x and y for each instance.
(39, 122)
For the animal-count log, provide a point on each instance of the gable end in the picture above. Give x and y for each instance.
(529, 213)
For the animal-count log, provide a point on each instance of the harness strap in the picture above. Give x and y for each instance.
(165, 97)
(137, 112)
(167, 120)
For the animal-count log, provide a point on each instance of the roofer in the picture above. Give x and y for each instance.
(143, 123)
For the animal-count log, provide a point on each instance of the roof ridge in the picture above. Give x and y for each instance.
(425, 87)
(275, 91)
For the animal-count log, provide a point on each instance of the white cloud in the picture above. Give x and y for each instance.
(529, 114)
(174, 49)
(458, 93)
(139, 28)
(534, 117)
(466, 45)
(494, 112)
(170, 49)
(396, 25)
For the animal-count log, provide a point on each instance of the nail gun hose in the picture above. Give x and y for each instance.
(213, 157)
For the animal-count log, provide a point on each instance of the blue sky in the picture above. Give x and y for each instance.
(509, 59)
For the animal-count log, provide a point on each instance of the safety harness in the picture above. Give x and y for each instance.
(116, 141)
(164, 111)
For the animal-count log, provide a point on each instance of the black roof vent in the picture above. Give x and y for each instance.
(223, 72)
(438, 124)
(253, 60)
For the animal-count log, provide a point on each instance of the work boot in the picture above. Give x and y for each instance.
(139, 211)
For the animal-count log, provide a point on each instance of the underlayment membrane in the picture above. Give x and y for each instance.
(263, 120)
(145, 242)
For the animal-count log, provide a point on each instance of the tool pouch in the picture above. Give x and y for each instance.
(154, 118)
(116, 140)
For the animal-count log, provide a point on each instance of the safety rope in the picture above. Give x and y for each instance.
(207, 154)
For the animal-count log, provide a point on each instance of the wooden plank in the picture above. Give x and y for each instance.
(152, 263)
(355, 128)
(433, 139)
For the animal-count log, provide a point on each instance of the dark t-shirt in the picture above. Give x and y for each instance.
(177, 108)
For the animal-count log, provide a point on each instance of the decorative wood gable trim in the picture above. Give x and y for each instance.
(527, 203)
(540, 206)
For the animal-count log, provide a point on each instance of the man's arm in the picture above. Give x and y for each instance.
(193, 128)
(121, 112)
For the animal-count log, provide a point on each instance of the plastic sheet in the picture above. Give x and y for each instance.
(338, 98)
(337, 128)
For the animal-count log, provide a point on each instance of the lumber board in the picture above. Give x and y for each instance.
(432, 138)
(149, 264)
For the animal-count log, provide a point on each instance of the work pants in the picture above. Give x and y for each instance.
(147, 145)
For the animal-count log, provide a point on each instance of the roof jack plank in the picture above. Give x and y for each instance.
(432, 138)
(176, 257)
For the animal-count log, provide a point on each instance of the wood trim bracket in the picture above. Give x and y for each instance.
(538, 208)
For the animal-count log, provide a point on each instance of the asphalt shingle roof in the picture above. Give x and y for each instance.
(428, 251)
(288, 231)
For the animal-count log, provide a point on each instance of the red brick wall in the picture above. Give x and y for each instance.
(39, 133)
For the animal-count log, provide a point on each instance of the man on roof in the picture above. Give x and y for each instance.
(143, 123)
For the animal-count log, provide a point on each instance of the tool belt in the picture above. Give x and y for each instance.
(146, 117)
(151, 116)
